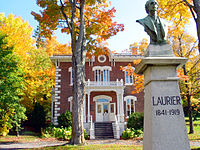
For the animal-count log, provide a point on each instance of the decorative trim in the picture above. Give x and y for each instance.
(103, 57)
(102, 97)
(130, 97)
(102, 68)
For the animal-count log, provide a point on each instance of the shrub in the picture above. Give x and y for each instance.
(59, 133)
(127, 134)
(86, 136)
(65, 119)
(131, 133)
(136, 121)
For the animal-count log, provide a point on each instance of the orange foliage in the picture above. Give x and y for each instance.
(99, 22)
(53, 47)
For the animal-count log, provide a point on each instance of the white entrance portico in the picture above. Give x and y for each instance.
(104, 109)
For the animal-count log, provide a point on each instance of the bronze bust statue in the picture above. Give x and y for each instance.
(152, 24)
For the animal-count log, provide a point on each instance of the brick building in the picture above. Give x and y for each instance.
(108, 96)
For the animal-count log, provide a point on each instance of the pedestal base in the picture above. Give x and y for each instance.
(164, 123)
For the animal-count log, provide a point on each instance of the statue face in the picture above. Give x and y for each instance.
(153, 6)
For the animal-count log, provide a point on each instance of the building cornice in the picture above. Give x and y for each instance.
(112, 57)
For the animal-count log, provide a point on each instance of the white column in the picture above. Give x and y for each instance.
(118, 109)
(134, 105)
(89, 107)
(122, 107)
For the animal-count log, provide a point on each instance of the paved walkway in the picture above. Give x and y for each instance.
(11, 145)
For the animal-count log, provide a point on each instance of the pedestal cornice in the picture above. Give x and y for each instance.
(159, 61)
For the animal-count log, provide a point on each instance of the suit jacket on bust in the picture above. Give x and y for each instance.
(155, 31)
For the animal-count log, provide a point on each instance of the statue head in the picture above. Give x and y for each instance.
(151, 5)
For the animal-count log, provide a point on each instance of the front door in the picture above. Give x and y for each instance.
(105, 111)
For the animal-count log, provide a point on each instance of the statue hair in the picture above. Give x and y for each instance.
(147, 5)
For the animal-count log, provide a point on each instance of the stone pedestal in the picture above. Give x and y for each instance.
(164, 123)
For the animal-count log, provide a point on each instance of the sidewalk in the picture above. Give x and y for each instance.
(40, 144)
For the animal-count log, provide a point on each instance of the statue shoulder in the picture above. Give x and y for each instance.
(144, 21)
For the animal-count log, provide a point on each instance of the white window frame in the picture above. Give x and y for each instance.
(71, 76)
(132, 99)
(129, 79)
(102, 73)
(70, 103)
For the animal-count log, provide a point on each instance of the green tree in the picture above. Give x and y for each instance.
(12, 113)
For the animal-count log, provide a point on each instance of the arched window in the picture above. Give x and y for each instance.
(102, 73)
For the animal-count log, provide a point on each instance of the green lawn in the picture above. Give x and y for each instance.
(196, 135)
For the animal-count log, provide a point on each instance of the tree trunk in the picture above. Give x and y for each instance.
(78, 97)
(188, 96)
(190, 114)
(78, 66)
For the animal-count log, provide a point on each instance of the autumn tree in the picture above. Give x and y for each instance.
(137, 49)
(89, 24)
(184, 45)
(12, 113)
(179, 12)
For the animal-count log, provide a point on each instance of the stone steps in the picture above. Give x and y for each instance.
(103, 130)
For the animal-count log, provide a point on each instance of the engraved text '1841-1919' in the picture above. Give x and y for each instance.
(165, 101)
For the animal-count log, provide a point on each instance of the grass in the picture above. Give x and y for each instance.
(196, 135)
(21, 138)
(196, 123)
(97, 147)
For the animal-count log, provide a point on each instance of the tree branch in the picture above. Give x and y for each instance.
(191, 9)
(65, 16)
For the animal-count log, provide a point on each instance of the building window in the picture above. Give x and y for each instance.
(130, 105)
(130, 108)
(97, 75)
(128, 78)
(106, 75)
(112, 108)
(99, 108)
(71, 75)
(102, 58)
(102, 73)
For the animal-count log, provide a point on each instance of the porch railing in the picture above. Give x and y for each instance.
(104, 83)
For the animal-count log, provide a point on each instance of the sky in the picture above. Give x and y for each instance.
(128, 11)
